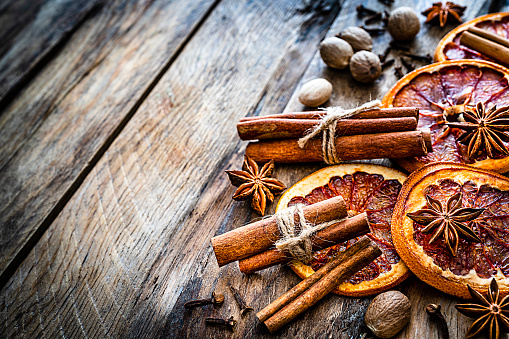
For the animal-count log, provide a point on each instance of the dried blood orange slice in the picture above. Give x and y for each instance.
(441, 91)
(364, 187)
(475, 263)
(449, 48)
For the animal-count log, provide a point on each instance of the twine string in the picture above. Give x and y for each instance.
(298, 244)
(328, 125)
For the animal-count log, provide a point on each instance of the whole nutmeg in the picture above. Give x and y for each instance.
(403, 24)
(336, 52)
(365, 66)
(359, 39)
(315, 92)
(387, 314)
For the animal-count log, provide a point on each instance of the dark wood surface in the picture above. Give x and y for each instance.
(114, 139)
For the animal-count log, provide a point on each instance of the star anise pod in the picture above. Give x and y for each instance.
(484, 130)
(448, 222)
(255, 183)
(489, 312)
(444, 12)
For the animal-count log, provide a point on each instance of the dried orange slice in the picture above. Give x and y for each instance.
(475, 263)
(449, 48)
(441, 91)
(364, 187)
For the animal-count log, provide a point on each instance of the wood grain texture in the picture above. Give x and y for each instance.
(54, 131)
(127, 243)
(32, 32)
(14, 18)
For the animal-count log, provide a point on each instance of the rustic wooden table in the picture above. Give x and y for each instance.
(117, 121)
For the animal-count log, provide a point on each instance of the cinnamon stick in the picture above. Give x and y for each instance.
(489, 35)
(259, 236)
(298, 289)
(344, 266)
(486, 47)
(296, 128)
(339, 232)
(393, 112)
(354, 147)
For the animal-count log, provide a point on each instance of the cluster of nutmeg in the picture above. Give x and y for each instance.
(352, 48)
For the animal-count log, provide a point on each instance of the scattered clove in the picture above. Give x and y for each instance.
(373, 18)
(215, 299)
(397, 46)
(387, 63)
(242, 304)
(398, 72)
(424, 58)
(434, 312)
(373, 30)
(384, 55)
(230, 323)
(361, 10)
(386, 16)
(408, 65)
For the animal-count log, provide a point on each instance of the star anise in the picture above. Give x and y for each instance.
(255, 183)
(490, 313)
(442, 12)
(484, 130)
(449, 222)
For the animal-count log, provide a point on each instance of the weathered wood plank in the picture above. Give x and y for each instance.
(14, 17)
(57, 128)
(118, 255)
(45, 25)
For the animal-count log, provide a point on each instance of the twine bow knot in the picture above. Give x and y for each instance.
(328, 128)
(298, 245)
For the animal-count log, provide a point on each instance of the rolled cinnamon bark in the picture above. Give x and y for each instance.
(259, 236)
(296, 128)
(489, 35)
(354, 147)
(487, 47)
(342, 231)
(393, 112)
(298, 289)
(346, 265)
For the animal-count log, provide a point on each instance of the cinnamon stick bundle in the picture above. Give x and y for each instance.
(342, 231)
(487, 43)
(394, 112)
(355, 147)
(295, 128)
(315, 287)
(259, 236)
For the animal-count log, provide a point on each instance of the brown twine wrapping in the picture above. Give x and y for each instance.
(328, 129)
(298, 245)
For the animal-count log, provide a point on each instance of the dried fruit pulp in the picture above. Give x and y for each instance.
(450, 48)
(492, 227)
(441, 89)
(475, 263)
(362, 192)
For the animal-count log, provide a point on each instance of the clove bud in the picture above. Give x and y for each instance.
(215, 299)
(230, 323)
(242, 304)
(434, 312)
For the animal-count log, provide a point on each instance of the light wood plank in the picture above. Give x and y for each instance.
(56, 129)
(122, 250)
